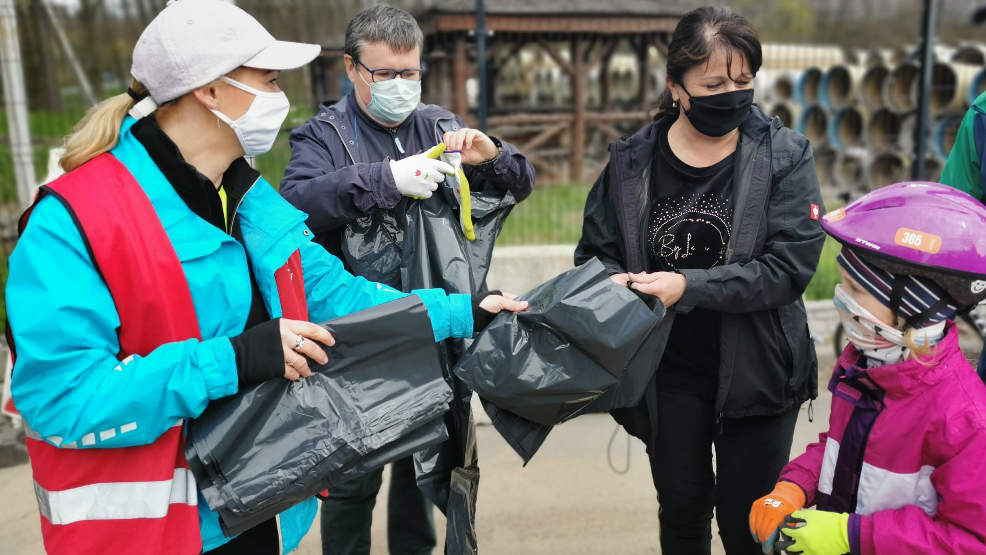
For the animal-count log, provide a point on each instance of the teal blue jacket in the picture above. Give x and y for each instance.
(68, 381)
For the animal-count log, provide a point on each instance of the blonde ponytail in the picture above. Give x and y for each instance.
(917, 351)
(99, 129)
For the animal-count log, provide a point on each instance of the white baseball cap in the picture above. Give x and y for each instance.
(194, 42)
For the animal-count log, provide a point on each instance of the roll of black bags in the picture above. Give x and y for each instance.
(380, 397)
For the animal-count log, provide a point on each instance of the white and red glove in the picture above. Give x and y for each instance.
(418, 176)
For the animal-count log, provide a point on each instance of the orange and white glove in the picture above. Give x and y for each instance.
(768, 512)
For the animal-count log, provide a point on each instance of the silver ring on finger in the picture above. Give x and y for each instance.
(298, 343)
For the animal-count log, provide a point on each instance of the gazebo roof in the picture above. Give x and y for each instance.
(563, 16)
(567, 7)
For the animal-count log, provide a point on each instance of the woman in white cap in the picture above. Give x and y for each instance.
(162, 272)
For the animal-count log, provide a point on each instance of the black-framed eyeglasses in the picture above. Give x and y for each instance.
(386, 74)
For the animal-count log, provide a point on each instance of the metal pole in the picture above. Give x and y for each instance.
(80, 75)
(481, 61)
(924, 88)
(15, 102)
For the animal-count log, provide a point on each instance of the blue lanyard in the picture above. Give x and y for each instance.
(356, 130)
(397, 141)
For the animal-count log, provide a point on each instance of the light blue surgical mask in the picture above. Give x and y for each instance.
(392, 101)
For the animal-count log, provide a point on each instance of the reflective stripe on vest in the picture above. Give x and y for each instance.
(86, 441)
(117, 500)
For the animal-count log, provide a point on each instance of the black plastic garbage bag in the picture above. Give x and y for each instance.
(437, 254)
(236, 522)
(524, 436)
(571, 346)
(461, 511)
(585, 344)
(381, 396)
(420, 244)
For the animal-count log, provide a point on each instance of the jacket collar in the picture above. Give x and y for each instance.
(910, 376)
(637, 148)
(630, 162)
(195, 189)
(339, 116)
(365, 120)
(264, 215)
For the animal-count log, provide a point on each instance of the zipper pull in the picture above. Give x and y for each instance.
(397, 142)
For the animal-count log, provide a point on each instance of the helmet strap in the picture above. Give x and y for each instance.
(920, 318)
(896, 294)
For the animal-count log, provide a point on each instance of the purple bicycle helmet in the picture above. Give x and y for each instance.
(920, 229)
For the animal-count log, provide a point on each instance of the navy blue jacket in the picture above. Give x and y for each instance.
(328, 179)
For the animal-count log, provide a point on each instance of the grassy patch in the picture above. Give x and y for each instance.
(827, 273)
(47, 131)
(272, 164)
(552, 214)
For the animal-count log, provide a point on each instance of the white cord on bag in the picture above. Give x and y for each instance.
(609, 452)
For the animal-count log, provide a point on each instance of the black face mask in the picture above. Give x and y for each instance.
(718, 114)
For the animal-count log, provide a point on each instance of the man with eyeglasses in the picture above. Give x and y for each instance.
(356, 165)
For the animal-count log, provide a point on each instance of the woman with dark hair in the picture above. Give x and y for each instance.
(713, 208)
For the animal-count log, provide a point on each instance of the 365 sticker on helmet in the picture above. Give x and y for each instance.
(918, 240)
(835, 215)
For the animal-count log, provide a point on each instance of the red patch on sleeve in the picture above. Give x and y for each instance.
(814, 212)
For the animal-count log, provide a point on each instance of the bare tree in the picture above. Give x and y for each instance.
(37, 50)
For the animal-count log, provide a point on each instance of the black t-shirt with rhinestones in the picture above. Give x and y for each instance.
(689, 227)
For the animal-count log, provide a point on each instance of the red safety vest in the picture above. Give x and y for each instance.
(143, 499)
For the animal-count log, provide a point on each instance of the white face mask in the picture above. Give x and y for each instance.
(258, 127)
(877, 341)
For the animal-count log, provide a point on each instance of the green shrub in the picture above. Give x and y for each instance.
(552, 214)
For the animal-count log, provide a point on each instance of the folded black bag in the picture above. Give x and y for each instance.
(433, 433)
(585, 344)
(381, 396)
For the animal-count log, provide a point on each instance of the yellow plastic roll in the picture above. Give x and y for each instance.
(465, 199)
(465, 205)
(435, 151)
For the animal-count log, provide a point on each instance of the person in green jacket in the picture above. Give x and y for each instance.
(964, 167)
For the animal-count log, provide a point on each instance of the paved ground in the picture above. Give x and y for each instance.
(567, 500)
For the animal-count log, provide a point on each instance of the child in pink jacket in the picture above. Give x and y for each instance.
(902, 468)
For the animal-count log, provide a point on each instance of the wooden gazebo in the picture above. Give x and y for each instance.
(565, 138)
(567, 141)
